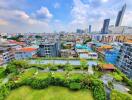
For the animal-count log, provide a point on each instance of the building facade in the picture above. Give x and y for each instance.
(105, 26)
(120, 16)
(6, 55)
(48, 50)
(25, 53)
(89, 29)
(124, 62)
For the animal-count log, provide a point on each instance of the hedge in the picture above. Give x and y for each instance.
(75, 86)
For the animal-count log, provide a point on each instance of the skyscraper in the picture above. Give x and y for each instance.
(105, 26)
(120, 16)
(89, 29)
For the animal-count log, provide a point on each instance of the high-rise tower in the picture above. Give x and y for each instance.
(89, 29)
(120, 16)
(105, 26)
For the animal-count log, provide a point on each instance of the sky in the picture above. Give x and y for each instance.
(60, 15)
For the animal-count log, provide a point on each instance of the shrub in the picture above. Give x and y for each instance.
(4, 91)
(128, 81)
(2, 72)
(20, 63)
(115, 95)
(77, 67)
(39, 66)
(98, 89)
(70, 68)
(60, 66)
(54, 68)
(40, 84)
(75, 86)
(116, 76)
(11, 69)
(58, 82)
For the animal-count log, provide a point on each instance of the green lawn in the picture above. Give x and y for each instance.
(51, 93)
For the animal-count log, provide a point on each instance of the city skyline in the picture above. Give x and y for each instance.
(60, 15)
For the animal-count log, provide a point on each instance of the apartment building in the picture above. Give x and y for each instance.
(24, 53)
(124, 62)
(6, 55)
(48, 49)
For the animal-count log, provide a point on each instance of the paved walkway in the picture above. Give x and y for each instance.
(90, 66)
(106, 78)
(90, 70)
(120, 87)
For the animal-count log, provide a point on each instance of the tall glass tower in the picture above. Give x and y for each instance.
(120, 16)
(89, 29)
(105, 26)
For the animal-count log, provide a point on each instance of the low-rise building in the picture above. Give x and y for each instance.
(107, 67)
(85, 51)
(25, 53)
(48, 49)
(6, 55)
(107, 52)
(67, 53)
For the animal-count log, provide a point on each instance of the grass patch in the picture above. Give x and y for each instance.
(51, 93)
(76, 76)
(42, 75)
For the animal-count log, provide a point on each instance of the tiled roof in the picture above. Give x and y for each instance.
(27, 49)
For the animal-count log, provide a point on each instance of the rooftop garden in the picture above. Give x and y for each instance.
(50, 93)
(37, 80)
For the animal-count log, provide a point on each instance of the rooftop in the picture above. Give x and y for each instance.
(108, 66)
(27, 49)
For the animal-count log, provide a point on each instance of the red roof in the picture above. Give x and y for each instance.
(28, 49)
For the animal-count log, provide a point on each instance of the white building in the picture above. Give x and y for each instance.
(120, 30)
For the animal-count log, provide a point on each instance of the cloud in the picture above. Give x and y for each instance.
(15, 16)
(43, 13)
(20, 21)
(57, 5)
(104, 1)
(79, 14)
(3, 22)
(12, 4)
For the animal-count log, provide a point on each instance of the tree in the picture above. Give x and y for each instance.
(83, 63)
(87, 40)
(38, 37)
(4, 37)
(16, 38)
